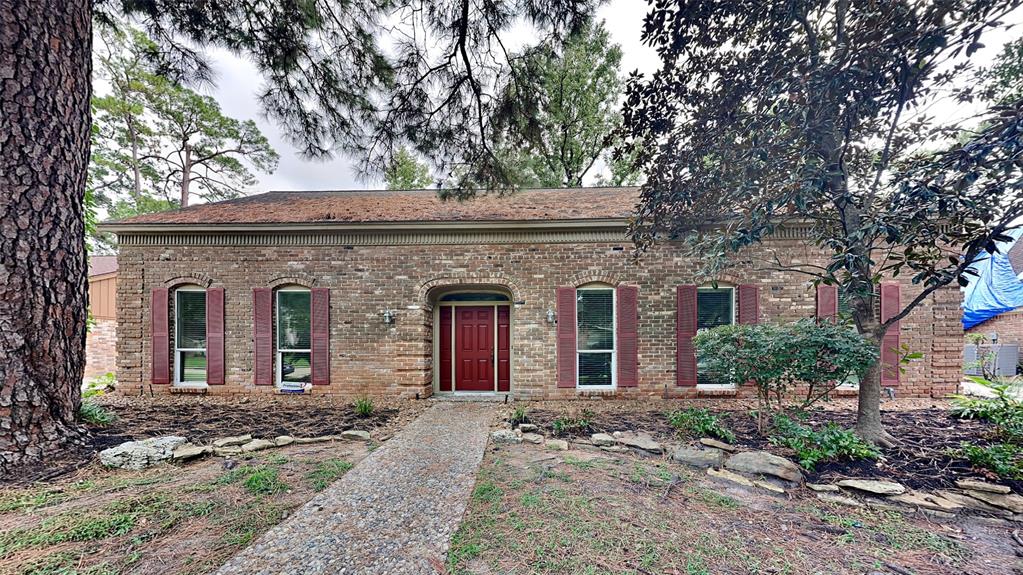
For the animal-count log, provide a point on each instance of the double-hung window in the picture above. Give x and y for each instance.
(189, 336)
(595, 336)
(293, 337)
(715, 306)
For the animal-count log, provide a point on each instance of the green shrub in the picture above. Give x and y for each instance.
(777, 357)
(1004, 459)
(573, 423)
(699, 422)
(95, 414)
(519, 415)
(1002, 406)
(364, 407)
(832, 443)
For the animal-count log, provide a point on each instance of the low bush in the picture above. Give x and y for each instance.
(831, 443)
(699, 422)
(1002, 406)
(519, 415)
(364, 407)
(572, 423)
(94, 414)
(1004, 459)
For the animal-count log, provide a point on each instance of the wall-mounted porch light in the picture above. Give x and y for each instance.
(551, 318)
(389, 315)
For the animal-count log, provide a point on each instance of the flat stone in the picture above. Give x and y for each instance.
(557, 444)
(527, 428)
(505, 436)
(822, 487)
(770, 487)
(318, 439)
(729, 476)
(764, 463)
(873, 486)
(839, 499)
(701, 458)
(709, 442)
(187, 451)
(975, 485)
(355, 434)
(971, 503)
(640, 441)
(234, 440)
(926, 501)
(614, 448)
(257, 445)
(534, 438)
(141, 454)
(282, 440)
(228, 451)
(602, 439)
(1012, 502)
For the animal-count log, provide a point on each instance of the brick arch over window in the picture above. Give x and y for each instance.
(302, 280)
(589, 277)
(196, 279)
(429, 288)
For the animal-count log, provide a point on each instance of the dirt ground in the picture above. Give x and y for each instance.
(923, 459)
(187, 518)
(590, 512)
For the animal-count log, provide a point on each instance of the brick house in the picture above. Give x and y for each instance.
(101, 341)
(397, 293)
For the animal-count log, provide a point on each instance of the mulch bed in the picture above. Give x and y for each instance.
(204, 419)
(921, 460)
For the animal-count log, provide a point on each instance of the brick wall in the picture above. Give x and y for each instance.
(1008, 326)
(370, 357)
(101, 348)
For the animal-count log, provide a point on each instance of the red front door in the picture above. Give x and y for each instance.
(474, 348)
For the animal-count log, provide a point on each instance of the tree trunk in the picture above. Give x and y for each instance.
(45, 68)
(186, 174)
(868, 414)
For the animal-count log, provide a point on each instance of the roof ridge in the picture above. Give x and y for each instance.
(434, 190)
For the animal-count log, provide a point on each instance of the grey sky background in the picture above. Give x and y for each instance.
(237, 82)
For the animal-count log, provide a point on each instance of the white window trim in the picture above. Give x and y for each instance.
(178, 363)
(279, 352)
(735, 319)
(614, 341)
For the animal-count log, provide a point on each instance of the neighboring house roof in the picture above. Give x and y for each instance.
(102, 265)
(558, 204)
(998, 286)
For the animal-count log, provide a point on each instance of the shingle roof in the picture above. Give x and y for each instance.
(403, 206)
(102, 265)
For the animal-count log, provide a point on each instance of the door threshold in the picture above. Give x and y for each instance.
(471, 396)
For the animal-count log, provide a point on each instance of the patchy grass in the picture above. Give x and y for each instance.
(586, 513)
(327, 472)
(180, 520)
(95, 414)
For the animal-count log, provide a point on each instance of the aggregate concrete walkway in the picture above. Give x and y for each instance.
(392, 513)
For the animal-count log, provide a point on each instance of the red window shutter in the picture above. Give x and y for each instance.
(685, 329)
(890, 306)
(566, 337)
(445, 348)
(215, 336)
(503, 348)
(159, 336)
(749, 304)
(827, 303)
(262, 328)
(319, 336)
(628, 336)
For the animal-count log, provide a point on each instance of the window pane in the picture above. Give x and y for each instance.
(713, 308)
(190, 327)
(192, 366)
(293, 320)
(595, 312)
(295, 367)
(594, 369)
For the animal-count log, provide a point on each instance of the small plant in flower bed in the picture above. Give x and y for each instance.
(364, 407)
(831, 443)
(1004, 459)
(698, 422)
(519, 415)
(573, 423)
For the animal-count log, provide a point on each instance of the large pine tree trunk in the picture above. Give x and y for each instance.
(45, 68)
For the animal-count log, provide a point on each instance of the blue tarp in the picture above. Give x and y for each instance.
(997, 290)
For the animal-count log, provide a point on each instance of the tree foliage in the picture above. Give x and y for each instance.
(817, 114)
(554, 133)
(406, 172)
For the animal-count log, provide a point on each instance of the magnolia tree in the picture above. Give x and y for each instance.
(827, 114)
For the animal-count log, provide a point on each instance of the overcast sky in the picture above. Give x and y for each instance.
(238, 81)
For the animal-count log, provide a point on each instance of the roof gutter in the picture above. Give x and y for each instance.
(411, 226)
